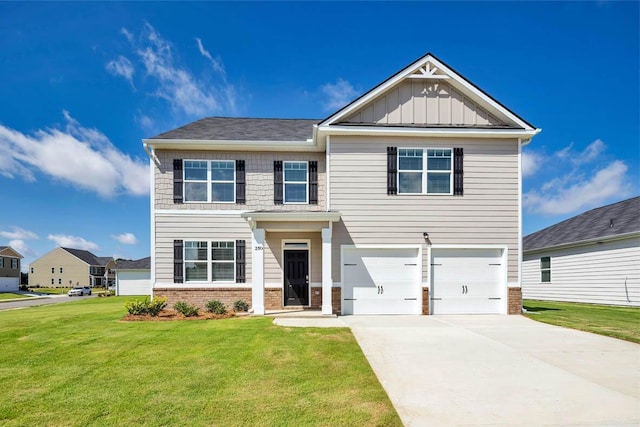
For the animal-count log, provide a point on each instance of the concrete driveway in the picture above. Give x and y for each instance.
(500, 371)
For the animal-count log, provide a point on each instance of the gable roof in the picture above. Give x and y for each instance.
(4, 250)
(137, 264)
(244, 129)
(88, 257)
(599, 223)
(430, 67)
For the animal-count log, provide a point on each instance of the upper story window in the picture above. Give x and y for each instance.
(425, 171)
(545, 269)
(31, 270)
(296, 182)
(209, 181)
(53, 270)
(61, 269)
(14, 264)
(1, 262)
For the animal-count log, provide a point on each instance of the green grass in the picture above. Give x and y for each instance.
(50, 290)
(78, 364)
(617, 322)
(9, 295)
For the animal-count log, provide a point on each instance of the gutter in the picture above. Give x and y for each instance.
(151, 153)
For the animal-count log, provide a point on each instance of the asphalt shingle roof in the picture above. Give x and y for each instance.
(137, 264)
(88, 257)
(243, 129)
(606, 221)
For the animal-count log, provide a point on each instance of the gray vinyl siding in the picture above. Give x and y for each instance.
(258, 176)
(487, 214)
(596, 273)
(424, 102)
(196, 227)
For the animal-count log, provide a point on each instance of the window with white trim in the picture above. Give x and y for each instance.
(209, 261)
(296, 178)
(545, 269)
(210, 181)
(425, 171)
(14, 264)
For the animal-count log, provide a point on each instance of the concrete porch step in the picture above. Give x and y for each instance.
(299, 314)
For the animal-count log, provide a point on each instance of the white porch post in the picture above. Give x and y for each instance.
(327, 281)
(257, 270)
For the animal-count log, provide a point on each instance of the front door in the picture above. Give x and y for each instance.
(296, 277)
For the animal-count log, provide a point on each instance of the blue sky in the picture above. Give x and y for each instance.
(83, 83)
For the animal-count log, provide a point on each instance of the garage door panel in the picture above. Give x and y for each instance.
(8, 284)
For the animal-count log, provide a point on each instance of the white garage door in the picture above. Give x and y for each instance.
(9, 284)
(134, 283)
(381, 281)
(467, 281)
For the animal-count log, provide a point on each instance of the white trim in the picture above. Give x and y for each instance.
(308, 249)
(327, 250)
(234, 145)
(257, 270)
(209, 181)
(209, 261)
(289, 216)
(199, 212)
(519, 279)
(327, 172)
(152, 214)
(284, 182)
(424, 171)
(431, 132)
(200, 285)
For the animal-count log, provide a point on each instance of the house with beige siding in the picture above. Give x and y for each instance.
(592, 258)
(67, 267)
(9, 269)
(405, 201)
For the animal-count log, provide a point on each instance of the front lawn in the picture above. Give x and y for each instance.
(78, 364)
(9, 295)
(618, 322)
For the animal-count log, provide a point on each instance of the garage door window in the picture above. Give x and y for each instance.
(545, 269)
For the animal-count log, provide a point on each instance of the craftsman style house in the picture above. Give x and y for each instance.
(405, 201)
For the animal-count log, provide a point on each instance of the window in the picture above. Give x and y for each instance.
(209, 261)
(295, 182)
(14, 264)
(59, 281)
(52, 282)
(425, 171)
(53, 270)
(1, 262)
(545, 269)
(60, 270)
(209, 181)
(31, 270)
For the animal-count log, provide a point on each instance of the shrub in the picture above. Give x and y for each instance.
(216, 307)
(156, 305)
(240, 305)
(146, 306)
(186, 309)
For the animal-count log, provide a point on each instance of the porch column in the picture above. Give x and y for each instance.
(327, 281)
(257, 270)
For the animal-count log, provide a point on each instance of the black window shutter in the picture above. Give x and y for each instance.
(177, 181)
(178, 261)
(313, 182)
(240, 182)
(392, 170)
(241, 261)
(277, 182)
(458, 171)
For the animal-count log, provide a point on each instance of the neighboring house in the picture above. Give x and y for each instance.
(133, 277)
(64, 267)
(405, 201)
(593, 257)
(9, 269)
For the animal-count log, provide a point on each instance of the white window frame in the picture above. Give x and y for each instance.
(425, 170)
(209, 262)
(284, 182)
(545, 269)
(209, 181)
(14, 264)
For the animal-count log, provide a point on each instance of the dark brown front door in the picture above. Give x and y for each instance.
(296, 277)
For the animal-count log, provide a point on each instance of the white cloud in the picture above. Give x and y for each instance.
(145, 121)
(338, 94)
(73, 242)
(573, 192)
(77, 155)
(531, 162)
(125, 238)
(21, 246)
(589, 154)
(174, 82)
(121, 67)
(19, 234)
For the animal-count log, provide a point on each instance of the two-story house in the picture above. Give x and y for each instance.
(405, 201)
(9, 269)
(67, 267)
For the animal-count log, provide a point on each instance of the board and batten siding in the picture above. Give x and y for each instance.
(487, 213)
(197, 227)
(424, 102)
(258, 178)
(606, 273)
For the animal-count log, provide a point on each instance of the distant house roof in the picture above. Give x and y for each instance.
(10, 249)
(599, 223)
(243, 129)
(137, 264)
(88, 257)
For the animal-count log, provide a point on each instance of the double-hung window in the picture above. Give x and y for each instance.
(14, 264)
(209, 181)
(545, 269)
(425, 171)
(1, 262)
(296, 176)
(206, 261)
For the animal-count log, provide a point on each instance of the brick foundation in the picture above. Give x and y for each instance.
(425, 301)
(336, 300)
(316, 298)
(199, 297)
(514, 301)
(273, 299)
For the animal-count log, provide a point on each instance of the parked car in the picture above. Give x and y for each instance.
(79, 291)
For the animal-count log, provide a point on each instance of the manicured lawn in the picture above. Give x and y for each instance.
(618, 322)
(78, 364)
(9, 295)
(50, 290)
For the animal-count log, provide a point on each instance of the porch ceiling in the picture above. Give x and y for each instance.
(291, 221)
